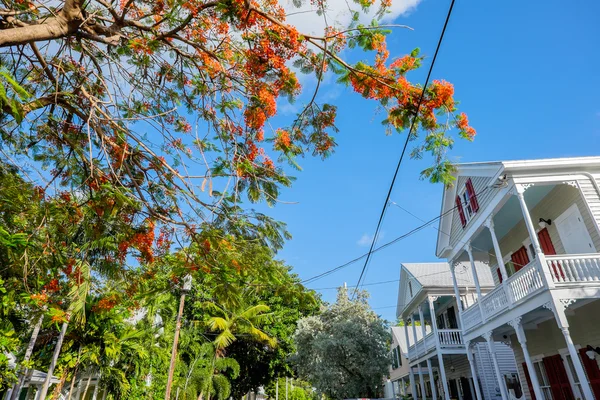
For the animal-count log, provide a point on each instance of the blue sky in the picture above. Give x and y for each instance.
(527, 75)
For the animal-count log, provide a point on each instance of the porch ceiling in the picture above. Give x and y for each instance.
(510, 214)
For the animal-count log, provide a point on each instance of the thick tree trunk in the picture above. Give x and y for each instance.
(28, 352)
(61, 336)
(53, 28)
(66, 22)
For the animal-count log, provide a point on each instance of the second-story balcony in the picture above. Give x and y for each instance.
(540, 242)
(449, 339)
(565, 271)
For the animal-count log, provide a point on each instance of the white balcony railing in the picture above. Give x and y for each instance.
(564, 269)
(525, 282)
(450, 337)
(471, 317)
(494, 302)
(574, 268)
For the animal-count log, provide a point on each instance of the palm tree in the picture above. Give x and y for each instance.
(239, 320)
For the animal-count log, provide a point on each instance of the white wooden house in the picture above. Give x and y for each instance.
(437, 354)
(398, 382)
(535, 225)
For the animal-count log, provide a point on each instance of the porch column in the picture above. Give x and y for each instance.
(455, 284)
(407, 339)
(477, 391)
(546, 273)
(535, 383)
(561, 319)
(490, 225)
(411, 378)
(431, 381)
(393, 389)
(469, 250)
(414, 328)
(423, 330)
(422, 381)
(438, 346)
(490, 341)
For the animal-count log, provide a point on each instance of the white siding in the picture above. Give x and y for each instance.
(592, 198)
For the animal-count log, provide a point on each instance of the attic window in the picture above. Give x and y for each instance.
(410, 291)
(466, 203)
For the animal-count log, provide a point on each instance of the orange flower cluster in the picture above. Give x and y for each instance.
(52, 286)
(40, 298)
(105, 304)
(282, 140)
(462, 123)
(406, 63)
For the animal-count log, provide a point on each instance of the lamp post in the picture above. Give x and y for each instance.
(187, 286)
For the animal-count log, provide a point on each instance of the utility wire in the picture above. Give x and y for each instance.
(412, 125)
(401, 237)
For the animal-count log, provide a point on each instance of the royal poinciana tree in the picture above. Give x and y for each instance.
(169, 102)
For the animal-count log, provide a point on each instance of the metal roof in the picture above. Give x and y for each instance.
(437, 274)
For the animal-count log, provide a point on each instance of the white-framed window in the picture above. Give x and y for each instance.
(410, 289)
(540, 371)
(466, 201)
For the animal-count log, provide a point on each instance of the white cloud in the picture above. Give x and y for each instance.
(338, 14)
(366, 239)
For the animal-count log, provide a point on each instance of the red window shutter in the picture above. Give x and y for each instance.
(528, 379)
(546, 242)
(472, 196)
(520, 258)
(549, 250)
(557, 375)
(499, 274)
(461, 212)
(592, 371)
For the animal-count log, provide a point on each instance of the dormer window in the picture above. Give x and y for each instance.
(466, 203)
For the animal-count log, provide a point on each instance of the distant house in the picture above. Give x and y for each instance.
(441, 363)
(398, 382)
(534, 225)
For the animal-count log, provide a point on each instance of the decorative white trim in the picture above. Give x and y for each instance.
(488, 336)
(515, 322)
(567, 302)
(571, 183)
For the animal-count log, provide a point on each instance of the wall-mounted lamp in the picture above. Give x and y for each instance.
(452, 369)
(591, 352)
(543, 222)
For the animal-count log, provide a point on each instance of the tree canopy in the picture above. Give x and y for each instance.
(344, 351)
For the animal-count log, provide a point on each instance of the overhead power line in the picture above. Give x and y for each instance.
(408, 136)
(383, 246)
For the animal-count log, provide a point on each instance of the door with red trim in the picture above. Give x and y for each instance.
(558, 378)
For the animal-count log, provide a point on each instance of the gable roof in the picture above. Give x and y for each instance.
(438, 274)
(493, 170)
